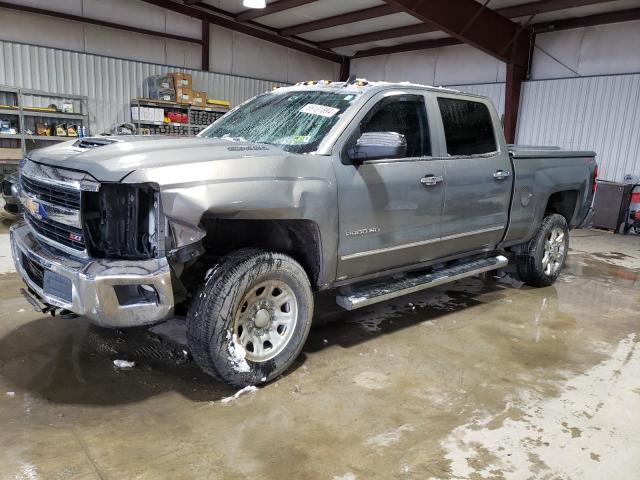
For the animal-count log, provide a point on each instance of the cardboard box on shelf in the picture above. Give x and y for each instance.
(184, 95)
(181, 80)
(199, 99)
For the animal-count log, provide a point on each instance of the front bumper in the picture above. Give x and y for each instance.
(89, 286)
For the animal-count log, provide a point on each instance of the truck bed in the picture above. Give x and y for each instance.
(540, 172)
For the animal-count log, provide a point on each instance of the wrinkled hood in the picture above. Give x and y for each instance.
(113, 158)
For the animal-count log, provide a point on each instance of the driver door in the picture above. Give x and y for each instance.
(390, 209)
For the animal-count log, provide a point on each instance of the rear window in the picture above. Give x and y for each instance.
(468, 128)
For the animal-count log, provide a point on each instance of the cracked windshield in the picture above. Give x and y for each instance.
(295, 121)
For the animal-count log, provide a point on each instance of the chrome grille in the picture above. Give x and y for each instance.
(34, 270)
(53, 194)
(58, 232)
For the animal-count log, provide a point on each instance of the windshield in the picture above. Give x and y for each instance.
(295, 121)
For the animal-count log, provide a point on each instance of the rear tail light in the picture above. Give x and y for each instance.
(595, 179)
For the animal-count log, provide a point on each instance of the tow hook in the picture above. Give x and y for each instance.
(41, 307)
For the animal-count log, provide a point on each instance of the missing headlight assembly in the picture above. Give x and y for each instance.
(123, 221)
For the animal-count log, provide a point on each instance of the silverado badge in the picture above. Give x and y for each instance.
(362, 231)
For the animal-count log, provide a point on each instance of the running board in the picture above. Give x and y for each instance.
(362, 296)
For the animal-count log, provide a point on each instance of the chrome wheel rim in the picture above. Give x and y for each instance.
(554, 251)
(265, 320)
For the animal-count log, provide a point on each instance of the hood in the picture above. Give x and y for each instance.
(113, 158)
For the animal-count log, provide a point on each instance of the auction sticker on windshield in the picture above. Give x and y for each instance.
(321, 110)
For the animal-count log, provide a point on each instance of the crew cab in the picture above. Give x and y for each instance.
(373, 190)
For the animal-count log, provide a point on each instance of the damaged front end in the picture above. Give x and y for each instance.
(94, 249)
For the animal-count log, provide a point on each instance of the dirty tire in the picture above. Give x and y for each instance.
(211, 318)
(529, 261)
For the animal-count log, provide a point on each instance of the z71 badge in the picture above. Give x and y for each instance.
(362, 231)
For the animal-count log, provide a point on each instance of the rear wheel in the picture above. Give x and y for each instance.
(250, 320)
(543, 257)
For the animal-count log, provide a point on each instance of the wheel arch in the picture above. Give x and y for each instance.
(563, 202)
(299, 238)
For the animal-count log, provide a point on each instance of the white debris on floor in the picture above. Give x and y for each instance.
(390, 438)
(588, 432)
(246, 390)
(123, 364)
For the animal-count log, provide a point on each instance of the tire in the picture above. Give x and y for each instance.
(251, 294)
(534, 267)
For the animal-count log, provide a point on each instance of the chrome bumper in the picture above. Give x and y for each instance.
(93, 283)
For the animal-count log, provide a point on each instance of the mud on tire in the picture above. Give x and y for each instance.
(246, 290)
(533, 261)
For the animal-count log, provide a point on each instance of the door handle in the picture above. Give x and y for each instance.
(431, 180)
(501, 174)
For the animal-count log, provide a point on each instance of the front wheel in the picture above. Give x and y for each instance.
(543, 257)
(250, 320)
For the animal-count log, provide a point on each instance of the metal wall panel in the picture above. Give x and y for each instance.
(590, 113)
(109, 83)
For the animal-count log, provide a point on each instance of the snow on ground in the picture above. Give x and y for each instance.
(239, 393)
(588, 432)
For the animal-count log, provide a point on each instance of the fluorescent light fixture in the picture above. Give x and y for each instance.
(254, 3)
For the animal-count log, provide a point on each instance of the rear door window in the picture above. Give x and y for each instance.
(468, 127)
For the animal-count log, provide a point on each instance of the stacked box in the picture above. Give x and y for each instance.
(184, 80)
(199, 99)
(184, 95)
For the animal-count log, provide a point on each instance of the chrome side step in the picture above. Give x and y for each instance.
(361, 296)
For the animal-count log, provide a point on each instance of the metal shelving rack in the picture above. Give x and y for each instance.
(189, 127)
(23, 112)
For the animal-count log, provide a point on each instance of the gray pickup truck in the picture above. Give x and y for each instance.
(374, 190)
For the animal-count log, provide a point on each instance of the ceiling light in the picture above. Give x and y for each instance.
(254, 3)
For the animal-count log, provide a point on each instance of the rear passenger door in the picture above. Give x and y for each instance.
(478, 175)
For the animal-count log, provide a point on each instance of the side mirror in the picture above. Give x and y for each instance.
(377, 145)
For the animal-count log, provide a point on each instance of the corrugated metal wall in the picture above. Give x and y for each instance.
(594, 113)
(109, 83)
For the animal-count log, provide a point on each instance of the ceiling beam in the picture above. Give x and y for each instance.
(409, 47)
(566, 24)
(94, 21)
(247, 29)
(475, 24)
(273, 7)
(523, 10)
(345, 18)
(379, 35)
(588, 21)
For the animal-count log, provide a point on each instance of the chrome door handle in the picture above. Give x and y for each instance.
(431, 180)
(501, 174)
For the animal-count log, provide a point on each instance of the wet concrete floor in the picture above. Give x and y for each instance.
(473, 380)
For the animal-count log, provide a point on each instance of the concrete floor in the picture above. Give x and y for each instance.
(470, 381)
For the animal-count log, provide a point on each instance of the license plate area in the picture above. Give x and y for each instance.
(57, 286)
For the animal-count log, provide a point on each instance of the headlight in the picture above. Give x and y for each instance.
(122, 220)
